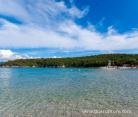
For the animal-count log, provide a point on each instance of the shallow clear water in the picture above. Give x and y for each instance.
(66, 92)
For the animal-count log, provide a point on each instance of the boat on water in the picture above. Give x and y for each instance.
(111, 65)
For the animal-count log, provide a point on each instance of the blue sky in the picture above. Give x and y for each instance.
(121, 14)
(64, 28)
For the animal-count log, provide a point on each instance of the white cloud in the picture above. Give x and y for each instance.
(13, 8)
(69, 36)
(10, 55)
(40, 12)
(50, 24)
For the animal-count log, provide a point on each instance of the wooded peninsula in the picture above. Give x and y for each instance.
(127, 60)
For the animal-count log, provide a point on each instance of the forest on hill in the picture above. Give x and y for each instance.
(86, 61)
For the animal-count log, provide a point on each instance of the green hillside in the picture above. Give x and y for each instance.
(87, 61)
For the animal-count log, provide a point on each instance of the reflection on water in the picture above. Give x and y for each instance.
(66, 92)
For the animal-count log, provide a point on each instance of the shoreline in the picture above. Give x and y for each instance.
(102, 67)
(108, 61)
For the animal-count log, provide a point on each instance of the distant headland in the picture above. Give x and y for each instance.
(103, 60)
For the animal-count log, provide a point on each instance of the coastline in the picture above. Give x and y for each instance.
(102, 67)
(106, 61)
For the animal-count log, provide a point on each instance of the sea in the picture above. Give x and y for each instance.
(68, 92)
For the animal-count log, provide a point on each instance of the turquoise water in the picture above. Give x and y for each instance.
(66, 92)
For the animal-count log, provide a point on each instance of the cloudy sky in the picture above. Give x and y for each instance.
(61, 28)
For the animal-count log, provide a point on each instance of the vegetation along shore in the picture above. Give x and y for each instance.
(103, 60)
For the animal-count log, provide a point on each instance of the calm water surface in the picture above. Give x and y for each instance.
(67, 92)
